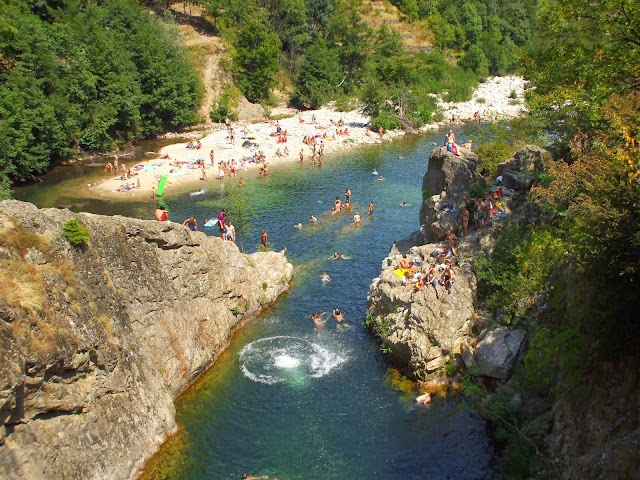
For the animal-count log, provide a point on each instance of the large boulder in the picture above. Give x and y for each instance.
(445, 187)
(98, 339)
(497, 354)
(528, 159)
(518, 173)
(420, 330)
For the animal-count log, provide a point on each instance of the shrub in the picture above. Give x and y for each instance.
(76, 233)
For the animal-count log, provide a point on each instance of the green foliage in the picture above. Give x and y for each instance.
(255, 61)
(450, 368)
(519, 267)
(380, 327)
(319, 75)
(86, 75)
(5, 189)
(226, 106)
(580, 54)
(491, 154)
(75, 232)
(476, 61)
(504, 409)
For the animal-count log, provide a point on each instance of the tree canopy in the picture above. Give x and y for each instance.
(86, 75)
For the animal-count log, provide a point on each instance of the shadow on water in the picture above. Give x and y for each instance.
(287, 399)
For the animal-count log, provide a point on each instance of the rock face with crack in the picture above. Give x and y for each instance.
(445, 187)
(98, 339)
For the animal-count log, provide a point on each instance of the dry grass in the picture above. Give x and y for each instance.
(415, 36)
(21, 286)
(106, 322)
(20, 239)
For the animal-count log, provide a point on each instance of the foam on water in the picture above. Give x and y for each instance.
(280, 359)
(285, 361)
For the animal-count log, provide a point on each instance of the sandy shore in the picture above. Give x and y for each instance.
(492, 100)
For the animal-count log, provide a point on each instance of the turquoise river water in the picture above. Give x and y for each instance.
(286, 399)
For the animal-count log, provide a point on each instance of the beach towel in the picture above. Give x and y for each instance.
(401, 272)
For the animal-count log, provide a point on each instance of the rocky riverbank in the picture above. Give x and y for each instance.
(421, 331)
(98, 339)
(587, 431)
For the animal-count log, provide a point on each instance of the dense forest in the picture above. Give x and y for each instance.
(80, 76)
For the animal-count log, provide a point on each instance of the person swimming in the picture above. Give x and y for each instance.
(319, 320)
(338, 315)
(375, 172)
(325, 277)
(335, 256)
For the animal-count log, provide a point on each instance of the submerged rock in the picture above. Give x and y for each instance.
(98, 339)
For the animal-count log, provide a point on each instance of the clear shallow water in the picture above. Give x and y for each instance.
(286, 399)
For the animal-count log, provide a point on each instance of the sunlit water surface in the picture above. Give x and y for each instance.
(287, 399)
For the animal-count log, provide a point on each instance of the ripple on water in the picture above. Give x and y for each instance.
(287, 359)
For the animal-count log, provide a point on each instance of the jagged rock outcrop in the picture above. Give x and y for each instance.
(593, 431)
(518, 173)
(445, 187)
(497, 353)
(420, 330)
(97, 340)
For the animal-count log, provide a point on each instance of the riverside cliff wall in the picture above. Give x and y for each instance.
(98, 339)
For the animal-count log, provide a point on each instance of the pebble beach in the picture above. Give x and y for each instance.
(496, 98)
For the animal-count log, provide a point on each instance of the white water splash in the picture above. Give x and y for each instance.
(287, 359)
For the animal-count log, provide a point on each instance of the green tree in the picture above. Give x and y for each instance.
(319, 13)
(255, 62)
(319, 75)
(352, 38)
(475, 61)
(471, 21)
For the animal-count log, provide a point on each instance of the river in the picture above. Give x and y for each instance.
(286, 399)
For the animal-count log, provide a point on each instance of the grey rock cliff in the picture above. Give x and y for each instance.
(97, 340)
(445, 187)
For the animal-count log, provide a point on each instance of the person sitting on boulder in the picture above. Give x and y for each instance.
(404, 263)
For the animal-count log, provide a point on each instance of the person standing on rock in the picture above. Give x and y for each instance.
(222, 217)
(446, 279)
(212, 158)
(465, 219)
(264, 241)
(430, 278)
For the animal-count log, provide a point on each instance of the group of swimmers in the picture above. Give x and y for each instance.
(319, 320)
